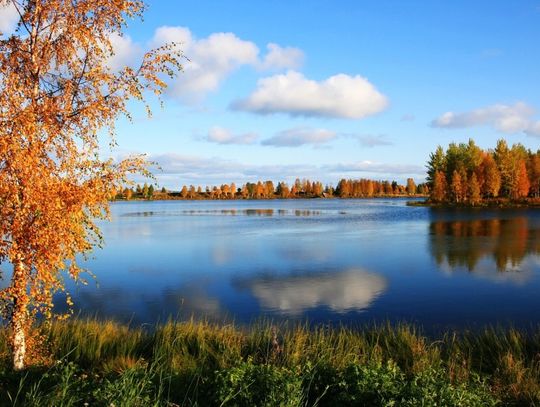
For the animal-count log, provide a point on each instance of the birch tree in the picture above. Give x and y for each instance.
(57, 94)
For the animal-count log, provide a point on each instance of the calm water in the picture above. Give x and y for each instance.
(339, 261)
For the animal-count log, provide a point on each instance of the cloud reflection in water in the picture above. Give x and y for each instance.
(351, 290)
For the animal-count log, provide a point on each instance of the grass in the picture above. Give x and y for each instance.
(201, 364)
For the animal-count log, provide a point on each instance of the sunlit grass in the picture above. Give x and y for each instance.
(199, 363)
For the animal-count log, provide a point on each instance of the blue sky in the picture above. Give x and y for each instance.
(331, 89)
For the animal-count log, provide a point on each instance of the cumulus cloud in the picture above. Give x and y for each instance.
(8, 18)
(211, 59)
(300, 136)
(507, 119)
(279, 57)
(220, 135)
(126, 52)
(351, 290)
(343, 96)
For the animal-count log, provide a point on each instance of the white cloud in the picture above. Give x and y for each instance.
(211, 60)
(509, 119)
(352, 290)
(8, 18)
(282, 57)
(126, 52)
(341, 95)
(220, 135)
(216, 170)
(297, 137)
(178, 169)
(300, 136)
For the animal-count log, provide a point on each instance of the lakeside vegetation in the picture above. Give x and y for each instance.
(199, 364)
(466, 175)
(346, 188)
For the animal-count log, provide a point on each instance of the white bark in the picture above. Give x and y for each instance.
(19, 344)
(18, 321)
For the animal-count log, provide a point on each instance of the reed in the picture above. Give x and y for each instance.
(199, 363)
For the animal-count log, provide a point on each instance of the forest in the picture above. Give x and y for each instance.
(346, 188)
(465, 174)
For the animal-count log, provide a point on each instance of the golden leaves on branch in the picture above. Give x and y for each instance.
(57, 93)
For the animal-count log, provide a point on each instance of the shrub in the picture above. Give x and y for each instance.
(249, 384)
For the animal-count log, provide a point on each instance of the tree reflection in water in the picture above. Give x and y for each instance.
(464, 243)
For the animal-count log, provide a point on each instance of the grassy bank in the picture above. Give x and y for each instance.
(105, 364)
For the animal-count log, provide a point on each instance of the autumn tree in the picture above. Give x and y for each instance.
(144, 191)
(57, 92)
(491, 177)
(534, 173)
(503, 158)
(128, 193)
(522, 181)
(474, 193)
(458, 186)
(411, 186)
(226, 190)
(436, 163)
(438, 191)
(191, 192)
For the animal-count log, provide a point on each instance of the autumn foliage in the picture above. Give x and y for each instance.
(305, 188)
(56, 94)
(466, 174)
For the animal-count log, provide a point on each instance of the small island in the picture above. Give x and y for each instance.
(468, 176)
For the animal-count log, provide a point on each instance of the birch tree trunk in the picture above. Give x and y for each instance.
(19, 317)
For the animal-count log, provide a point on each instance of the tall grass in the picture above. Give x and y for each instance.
(199, 364)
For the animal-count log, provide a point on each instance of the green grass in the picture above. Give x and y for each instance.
(200, 364)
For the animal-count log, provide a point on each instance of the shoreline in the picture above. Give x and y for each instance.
(275, 198)
(198, 363)
(490, 204)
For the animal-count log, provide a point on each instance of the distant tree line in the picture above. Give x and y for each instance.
(466, 174)
(139, 192)
(346, 188)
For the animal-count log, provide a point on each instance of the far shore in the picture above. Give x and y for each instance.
(175, 196)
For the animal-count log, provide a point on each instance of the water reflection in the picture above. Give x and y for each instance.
(339, 261)
(230, 212)
(352, 290)
(190, 300)
(466, 243)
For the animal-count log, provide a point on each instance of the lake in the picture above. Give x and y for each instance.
(334, 261)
